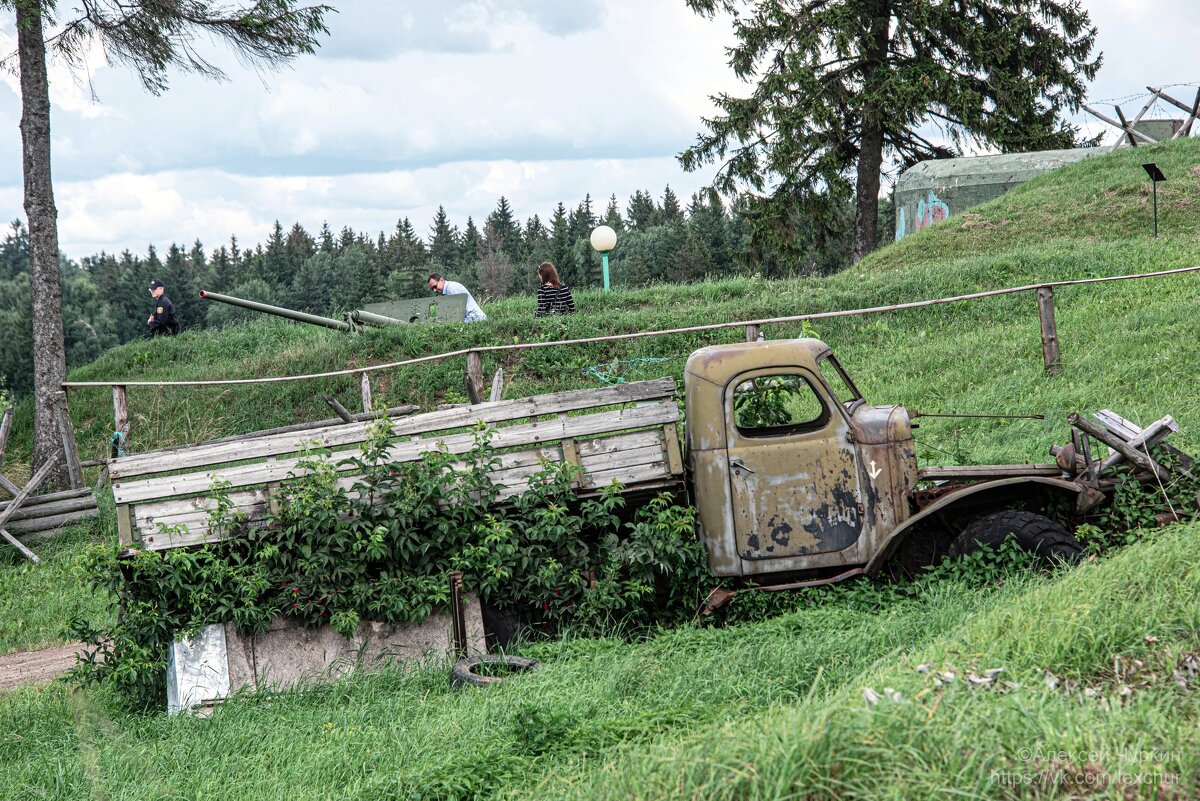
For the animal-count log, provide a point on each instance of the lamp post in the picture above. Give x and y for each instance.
(604, 239)
(1155, 176)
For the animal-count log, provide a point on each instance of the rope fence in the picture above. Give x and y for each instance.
(474, 374)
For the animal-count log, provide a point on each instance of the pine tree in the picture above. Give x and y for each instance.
(841, 84)
(444, 245)
(562, 247)
(198, 272)
(612, 215)
(581, 220)
(409, 261)
(495, 271)
(326, 239)
(641, 211)
(669, 211)
(273, 266)
(298, 248)
(505, 228)
(471, 248)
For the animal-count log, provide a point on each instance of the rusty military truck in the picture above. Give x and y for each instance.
(797, 479)
(795, 474)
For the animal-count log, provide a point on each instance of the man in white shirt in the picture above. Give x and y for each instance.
(439, 284)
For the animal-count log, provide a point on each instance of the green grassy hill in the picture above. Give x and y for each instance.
(755, 710)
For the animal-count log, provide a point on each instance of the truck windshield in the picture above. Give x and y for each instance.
(839, 381)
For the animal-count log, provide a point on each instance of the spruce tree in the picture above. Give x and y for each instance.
(505, 229)
(669, 211)
(612, 215)
(444, 245)
(471, 248)
(562, 247)
(841, 85)
(641, 211)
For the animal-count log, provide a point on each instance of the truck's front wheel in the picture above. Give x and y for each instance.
(1035, 533)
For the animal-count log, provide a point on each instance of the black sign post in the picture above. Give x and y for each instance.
(1155, 176)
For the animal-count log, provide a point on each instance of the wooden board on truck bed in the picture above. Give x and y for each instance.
(625, 433)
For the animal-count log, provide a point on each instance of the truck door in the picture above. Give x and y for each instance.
(793, 469)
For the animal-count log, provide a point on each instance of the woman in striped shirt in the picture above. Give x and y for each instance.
(553, 296)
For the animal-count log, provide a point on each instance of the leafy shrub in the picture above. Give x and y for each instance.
(383, 551)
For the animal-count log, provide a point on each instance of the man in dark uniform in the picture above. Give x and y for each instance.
(162, 320)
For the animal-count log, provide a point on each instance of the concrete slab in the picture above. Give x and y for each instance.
(220, 660)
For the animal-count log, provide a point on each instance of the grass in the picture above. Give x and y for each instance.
(755, 710)
(764, 710)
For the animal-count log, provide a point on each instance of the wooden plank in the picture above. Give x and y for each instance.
(365, 388)
(189, 456)
(636, 457)
(28, 512)
(1120, 445)
(16, 543)
(38, 477)
(394, 411)
(1150, 435)
(617, 443)
(53, 521)
(12, 489)
(120, 417)
(674, 453)
(5, 431)
(51, 497)
(985, 472)
(126, 531)
(67, 433)
(515, 436)
(629, 476)
(474, 376)
(497, 385)
(1045, 301)
(195, 510)
(341, 410)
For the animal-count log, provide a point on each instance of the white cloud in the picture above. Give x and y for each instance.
(129, 211)
(410, 105)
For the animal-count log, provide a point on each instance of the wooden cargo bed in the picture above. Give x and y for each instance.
(626, 432)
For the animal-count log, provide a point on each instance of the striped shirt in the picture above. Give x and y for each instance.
(554, 300)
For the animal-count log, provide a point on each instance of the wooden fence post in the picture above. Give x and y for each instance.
(752, 333)
(67, 432)
(497, 385)
(5, 430)
(474, 376)
(120, 418)
(366, 393)
(1045, 298)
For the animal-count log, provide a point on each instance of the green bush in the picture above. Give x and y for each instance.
(384, 550)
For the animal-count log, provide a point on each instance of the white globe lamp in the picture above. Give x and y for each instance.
(604, 239)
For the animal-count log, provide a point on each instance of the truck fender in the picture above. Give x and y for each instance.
(999, 491)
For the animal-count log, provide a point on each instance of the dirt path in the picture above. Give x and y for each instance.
(36, 667)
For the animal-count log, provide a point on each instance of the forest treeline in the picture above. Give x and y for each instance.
(106, 303)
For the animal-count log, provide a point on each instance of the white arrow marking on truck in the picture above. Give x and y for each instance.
(874, 471)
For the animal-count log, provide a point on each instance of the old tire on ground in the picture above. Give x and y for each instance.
(1035, 533)
(466, 671)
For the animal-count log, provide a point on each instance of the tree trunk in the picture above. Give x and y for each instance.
(870, 162)
(49, 354)
(870, 155)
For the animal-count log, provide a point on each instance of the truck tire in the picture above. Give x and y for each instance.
(466, 674)
(1035, 533)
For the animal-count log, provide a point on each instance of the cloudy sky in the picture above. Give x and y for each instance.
(411, 105)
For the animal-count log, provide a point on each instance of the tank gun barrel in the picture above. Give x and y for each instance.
(364, 317)
(279, 311)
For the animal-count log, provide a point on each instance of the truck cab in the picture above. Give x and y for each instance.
(792, 470)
